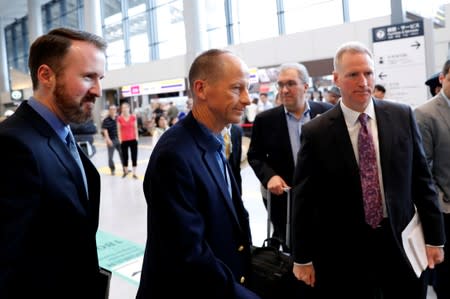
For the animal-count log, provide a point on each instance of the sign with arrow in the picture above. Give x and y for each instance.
(400, 63)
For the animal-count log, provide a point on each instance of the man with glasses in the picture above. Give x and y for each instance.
(275, 140)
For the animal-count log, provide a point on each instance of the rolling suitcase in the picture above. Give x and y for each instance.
(272, 276)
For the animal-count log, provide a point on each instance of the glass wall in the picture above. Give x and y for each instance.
(256, 19)
(216, 23)
(138, 31)
(170, 38)
(67, 13)
(113, 33)
(16, 36)
(366, 9)
(311, 14)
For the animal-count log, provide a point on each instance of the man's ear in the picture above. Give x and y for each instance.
(45, 75)
(199, 89)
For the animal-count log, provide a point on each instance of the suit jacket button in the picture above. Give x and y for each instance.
(241, 248)
(242, 280)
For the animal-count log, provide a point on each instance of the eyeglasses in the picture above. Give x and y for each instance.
(289, 84)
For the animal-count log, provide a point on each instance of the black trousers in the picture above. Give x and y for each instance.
(133, 146)
(375, 270)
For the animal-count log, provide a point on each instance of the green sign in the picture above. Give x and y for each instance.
(120, 256)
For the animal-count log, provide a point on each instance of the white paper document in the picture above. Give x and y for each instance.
(414, 245)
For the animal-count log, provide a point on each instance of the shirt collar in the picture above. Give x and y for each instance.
(351, 116)
(217, 137)
(57, 124)
(306, 112)
(226, 129)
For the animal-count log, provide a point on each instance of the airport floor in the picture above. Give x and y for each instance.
(123, 217)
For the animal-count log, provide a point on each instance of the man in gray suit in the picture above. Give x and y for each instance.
(433, 118)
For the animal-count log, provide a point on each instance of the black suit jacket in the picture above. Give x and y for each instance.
(328, 222)
(270, 151)
(47, 223)
(235, 157)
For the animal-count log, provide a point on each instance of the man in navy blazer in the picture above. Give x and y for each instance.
(334, 248)
(275, 140)
(48, 212)
(198, 234)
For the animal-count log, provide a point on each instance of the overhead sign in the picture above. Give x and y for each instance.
(400, 61)
(165, 86)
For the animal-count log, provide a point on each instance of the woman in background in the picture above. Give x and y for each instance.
(127, 130)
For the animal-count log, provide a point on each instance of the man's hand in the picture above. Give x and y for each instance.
(435, 255)
(276, 185)
(305, 273)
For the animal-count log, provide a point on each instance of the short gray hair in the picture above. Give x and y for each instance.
(352, 47)
(301, 69)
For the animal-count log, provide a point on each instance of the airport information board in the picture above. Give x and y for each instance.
(400, 61)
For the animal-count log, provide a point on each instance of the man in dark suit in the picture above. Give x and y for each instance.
(234, 154)
(49, 201)
(433, 119)
(198, 234)
(337, 248)
(275, 140)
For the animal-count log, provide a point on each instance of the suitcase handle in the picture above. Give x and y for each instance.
(288, 214)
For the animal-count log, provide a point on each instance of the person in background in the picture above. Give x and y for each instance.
(264, 103)
(379, 92)
(360, 176)
(172, 111)
(84, 136)
(50, 193)
(433, 119)
(434, 84)
(127, 130)
(161, 125)
(109, 130)
(198, 230)
(188, 109)
(278, 101)
(275, 140)
(333, 95)
(251, 111)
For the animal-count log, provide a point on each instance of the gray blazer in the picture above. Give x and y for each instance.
(433, 119)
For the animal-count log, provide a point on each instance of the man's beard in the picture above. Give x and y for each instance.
(73, 112)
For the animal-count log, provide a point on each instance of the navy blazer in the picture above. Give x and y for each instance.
(270, 151)
(324, 216)
(198, 238)
(47, 223)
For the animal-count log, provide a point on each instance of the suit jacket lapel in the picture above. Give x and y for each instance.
(59, 148)
(344, 144)
(209, 156)
(63, 154)
(385, 137)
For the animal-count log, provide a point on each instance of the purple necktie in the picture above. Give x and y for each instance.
(368, 171)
